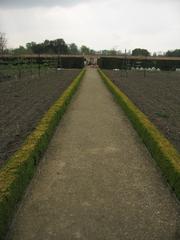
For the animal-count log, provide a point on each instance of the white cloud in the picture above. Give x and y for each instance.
(36, 3)
(98, 24)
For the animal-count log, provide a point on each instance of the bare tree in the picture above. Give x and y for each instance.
(3, 42)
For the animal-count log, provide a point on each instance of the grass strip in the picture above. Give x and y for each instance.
(165, 154)
(19, 169)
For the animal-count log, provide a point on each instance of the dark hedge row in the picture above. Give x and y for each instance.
(112, 63)
(160, 148)
(56, 61)
(16, 174)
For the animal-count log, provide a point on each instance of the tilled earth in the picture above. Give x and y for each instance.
(23, 103)
(157, 95)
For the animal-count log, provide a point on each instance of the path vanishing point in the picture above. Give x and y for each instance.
(96, 180)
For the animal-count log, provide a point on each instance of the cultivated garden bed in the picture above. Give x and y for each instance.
(157, 95)
(23, 103)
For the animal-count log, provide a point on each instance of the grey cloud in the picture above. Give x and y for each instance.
(151, 24)
(66, 3)
(37, 3)
(160, 1)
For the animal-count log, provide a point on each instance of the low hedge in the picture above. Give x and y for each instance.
(19, 169)
(160, 148)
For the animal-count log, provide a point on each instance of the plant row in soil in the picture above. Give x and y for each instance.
(23, 103)
(157, 95)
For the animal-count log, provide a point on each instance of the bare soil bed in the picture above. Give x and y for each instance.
(157, 95)
(23, 103)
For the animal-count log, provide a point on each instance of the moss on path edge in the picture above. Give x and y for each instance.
(19, 169)
(160, 148)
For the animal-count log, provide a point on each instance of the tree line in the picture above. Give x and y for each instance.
(59, 46)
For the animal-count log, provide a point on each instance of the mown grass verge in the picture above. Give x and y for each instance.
(19, 169)
(160, 148)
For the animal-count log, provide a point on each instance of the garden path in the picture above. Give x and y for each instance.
(96, 181)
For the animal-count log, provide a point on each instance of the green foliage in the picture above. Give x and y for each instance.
(3, 42)
(72, 62)
(57, 46)
(111, 63)
(85, 50)
(73, 49)
(160, 148)
(122, 63)
(140, 52)
(174, 53)
(16, 174)
(22, 50)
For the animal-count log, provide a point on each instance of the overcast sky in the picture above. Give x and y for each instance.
(99, 24)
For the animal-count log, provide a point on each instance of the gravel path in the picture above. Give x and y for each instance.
(97, 181)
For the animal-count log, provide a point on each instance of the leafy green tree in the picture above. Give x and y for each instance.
(73, 49)
(30, 45)
(57, 46)
(92, 52)
(3, 42)
(174, 53)
(38, 48)
(140, 52)
(20, 50)
(85, 50)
